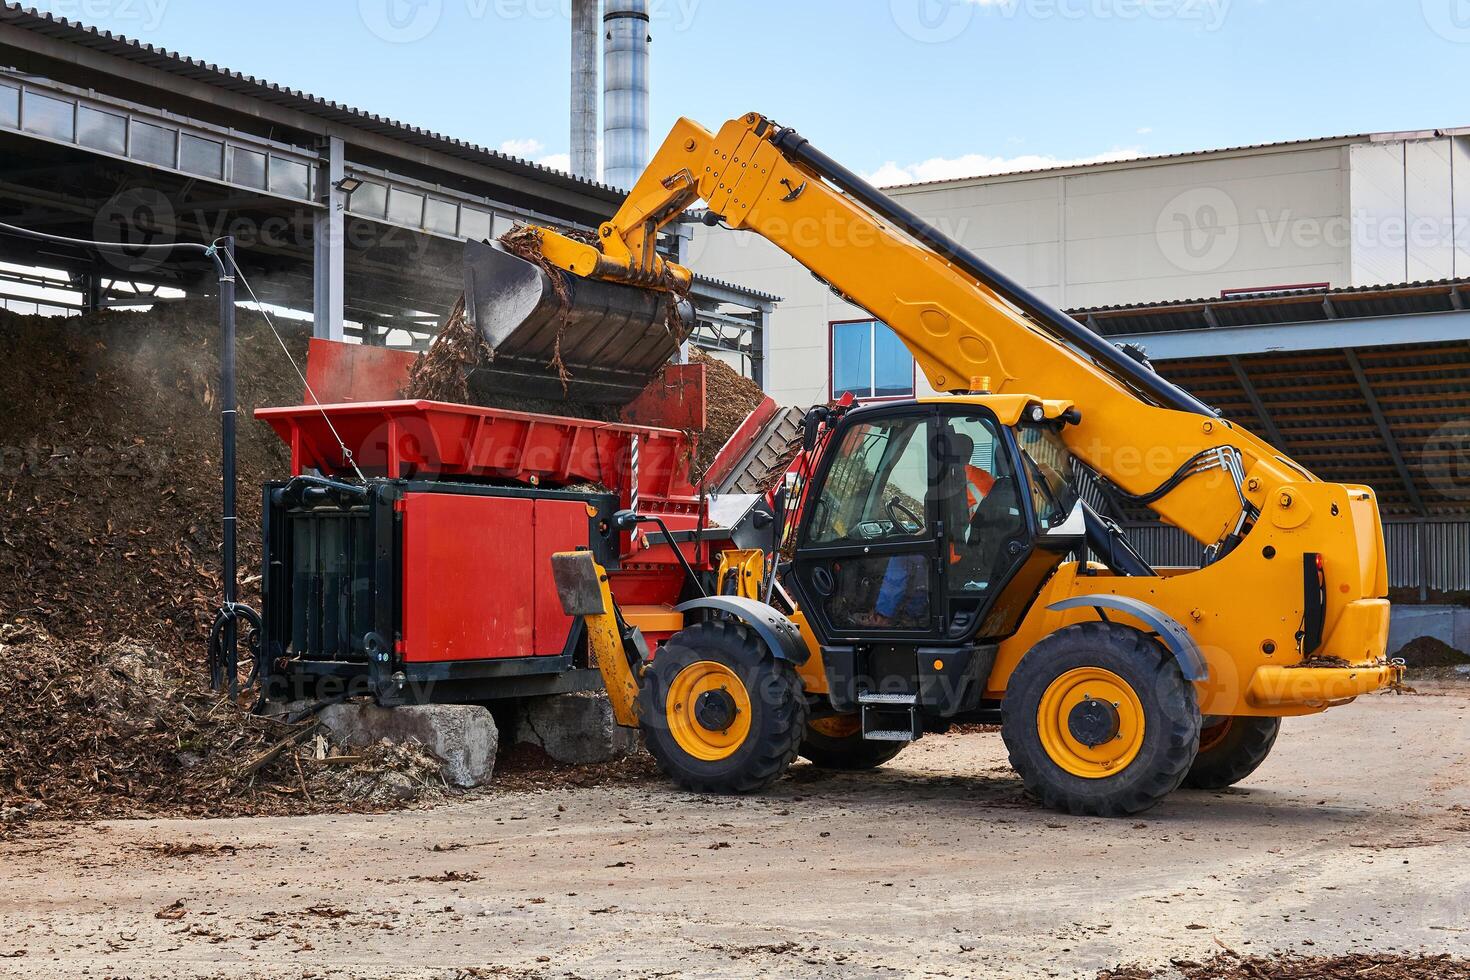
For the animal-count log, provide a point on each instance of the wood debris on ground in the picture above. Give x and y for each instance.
(1230, 965)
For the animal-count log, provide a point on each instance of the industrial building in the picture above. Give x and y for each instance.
(342, 215)
(1317, 291)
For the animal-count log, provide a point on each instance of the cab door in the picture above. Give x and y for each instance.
(868, 556)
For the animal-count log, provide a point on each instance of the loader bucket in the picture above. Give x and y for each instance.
(612, 338)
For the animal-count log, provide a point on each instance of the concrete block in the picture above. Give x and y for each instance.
(462, 736)
(576, 729)
(1448, 624)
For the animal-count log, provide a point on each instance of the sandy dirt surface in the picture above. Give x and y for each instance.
(1352, 837)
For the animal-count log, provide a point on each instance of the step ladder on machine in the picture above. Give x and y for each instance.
(890, 717)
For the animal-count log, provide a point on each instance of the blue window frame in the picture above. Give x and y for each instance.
(870, 361)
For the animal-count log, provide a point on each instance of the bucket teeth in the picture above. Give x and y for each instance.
(602, 343)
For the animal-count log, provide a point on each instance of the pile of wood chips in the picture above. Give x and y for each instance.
(109, 517)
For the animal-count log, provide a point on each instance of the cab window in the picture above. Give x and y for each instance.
(876, 485)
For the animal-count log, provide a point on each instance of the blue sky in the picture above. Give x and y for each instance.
(898, 89)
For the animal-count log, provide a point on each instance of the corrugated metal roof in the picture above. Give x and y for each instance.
(1326, 422)
(735, 287)
(1183, 154)
(1288, 306)
(162, 59)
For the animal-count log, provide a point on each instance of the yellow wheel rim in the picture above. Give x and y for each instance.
(1091, 722)
(708, 710)
(838, 726)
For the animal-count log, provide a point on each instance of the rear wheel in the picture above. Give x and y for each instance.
(1099, 720)
(838, 743)
(719, 713)
(1231, 749)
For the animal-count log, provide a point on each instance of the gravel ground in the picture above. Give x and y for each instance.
(1351, 838)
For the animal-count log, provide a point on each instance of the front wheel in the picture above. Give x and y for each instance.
(719, 713)
(1230, 749)
(1098, 719)
(838, 743)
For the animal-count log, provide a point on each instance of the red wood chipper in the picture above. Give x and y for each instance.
(409, 554)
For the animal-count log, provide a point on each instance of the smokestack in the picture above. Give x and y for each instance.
(584, 88)
(625, 91)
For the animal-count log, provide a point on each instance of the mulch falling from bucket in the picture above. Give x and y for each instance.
(442, 372)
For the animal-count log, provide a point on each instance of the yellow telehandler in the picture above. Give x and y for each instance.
(919, 569)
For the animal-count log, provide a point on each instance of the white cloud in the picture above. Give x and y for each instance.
(534, 150)
(1144, 130)
(527, 148)
(982, 165)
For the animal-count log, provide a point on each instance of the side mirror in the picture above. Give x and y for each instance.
(811, 423)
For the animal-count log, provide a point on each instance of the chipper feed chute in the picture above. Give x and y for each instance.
(610, 339)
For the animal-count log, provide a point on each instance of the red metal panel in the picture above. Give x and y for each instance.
(339, 372)
(467, 594)
(561, 525)
(675, 399)
(421, 438)
(740, 441)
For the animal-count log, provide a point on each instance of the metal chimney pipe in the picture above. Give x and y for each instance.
(584, 88)
(625, 90)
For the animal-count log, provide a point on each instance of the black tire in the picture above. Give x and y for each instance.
(777, 709)
(848, 751)
(1227, 756)
(1165, 742)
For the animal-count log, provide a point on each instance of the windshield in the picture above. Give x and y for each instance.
(1053, 473)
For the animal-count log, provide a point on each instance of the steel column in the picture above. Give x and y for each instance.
(329, 246)
(584, 88)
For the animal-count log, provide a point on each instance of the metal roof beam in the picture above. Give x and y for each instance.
(1385, 430)
(1378, 331)
(1268, 424)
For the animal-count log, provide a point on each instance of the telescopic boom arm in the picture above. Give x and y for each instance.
(968, 325)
